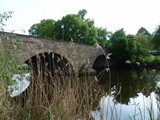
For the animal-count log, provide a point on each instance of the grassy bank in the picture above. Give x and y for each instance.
(71, 99)
(152, 61)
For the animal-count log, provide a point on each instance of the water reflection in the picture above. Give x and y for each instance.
(129, 94)
(138, 108)
(128, 83)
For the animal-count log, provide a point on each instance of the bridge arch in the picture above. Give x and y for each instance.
(100, 63)
(50, 63)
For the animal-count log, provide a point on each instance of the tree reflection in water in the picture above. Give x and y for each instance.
(126, 84)
(128, 93)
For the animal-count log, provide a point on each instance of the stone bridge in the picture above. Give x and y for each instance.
(26, 48)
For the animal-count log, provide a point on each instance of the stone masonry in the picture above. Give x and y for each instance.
(80, 56)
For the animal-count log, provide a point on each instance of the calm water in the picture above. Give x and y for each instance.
(129, 95)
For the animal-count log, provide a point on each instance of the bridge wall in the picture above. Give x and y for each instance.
(24, 47)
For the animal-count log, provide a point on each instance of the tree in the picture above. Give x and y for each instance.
(143, 40)
(143, 31)
(72, 27)
(102, 35)
(131, 48)
(92, 35)
(119, 45)
(143, 44)
(156, 38)
(43, 29)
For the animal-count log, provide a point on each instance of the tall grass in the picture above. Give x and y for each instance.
(68, 100)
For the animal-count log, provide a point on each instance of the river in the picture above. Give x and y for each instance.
(129, 95)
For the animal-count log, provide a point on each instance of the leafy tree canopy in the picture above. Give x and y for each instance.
(125, 47)
(119, 45)
(131, 48)
(143, 31)
(75, 27)
(43, 29)
(102, 36)
(143, 40)
(156, 38)
(144, 43)
(71, 27)
(82, 13)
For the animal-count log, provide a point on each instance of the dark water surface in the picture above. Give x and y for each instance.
(129, 95)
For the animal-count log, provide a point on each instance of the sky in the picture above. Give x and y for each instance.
(110, 14)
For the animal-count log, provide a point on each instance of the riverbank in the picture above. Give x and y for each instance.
(151, 62)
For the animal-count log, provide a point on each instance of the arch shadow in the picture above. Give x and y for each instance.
(100, 63)
(50, 64)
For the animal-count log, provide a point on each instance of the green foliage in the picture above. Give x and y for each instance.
(138, 51)
(72, 27)
(82, 13)
(43, 29)
(102, 36)
(143, 42)
(119, 45)
(131, 47)
(6, 62)
(7, 67)
(143, 31)
(92, 33)
(151, 61)
(156, 39)
(148, 59)
(140, 46)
